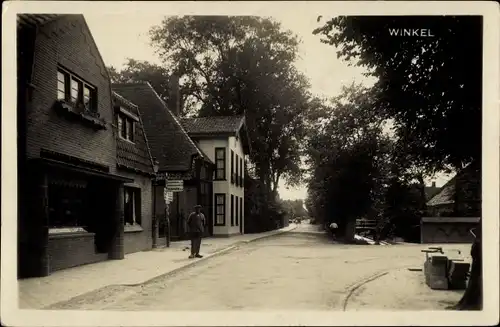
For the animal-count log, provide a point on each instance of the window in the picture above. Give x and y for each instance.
(232, 210)
(203, 171)
(61, 85)
(73, 89)
(126, 128)
(232, 167)
(220, 162)
(241, 172)
(67, 203)
(241, 210)
(132, 206)
(220, 207)
(236, 211)
(237, 174)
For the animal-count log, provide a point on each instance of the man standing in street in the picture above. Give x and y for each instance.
(196, 223)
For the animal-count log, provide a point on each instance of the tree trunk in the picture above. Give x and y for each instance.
(473, 296)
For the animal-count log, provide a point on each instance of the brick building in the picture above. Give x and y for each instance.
(135, 162)
(177, 155)
(71, 173)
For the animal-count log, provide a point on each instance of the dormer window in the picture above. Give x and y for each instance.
(126, 127)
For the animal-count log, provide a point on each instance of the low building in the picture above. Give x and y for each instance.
(178, 157)
(70, 191)
(135, 162)
(447, 229)
(225, 141)
(455, 209)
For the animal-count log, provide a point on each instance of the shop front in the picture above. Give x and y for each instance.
(73, 215)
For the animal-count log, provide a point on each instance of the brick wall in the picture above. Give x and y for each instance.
(141, 240)
(67, 41)
(446, 233)
(73, 250)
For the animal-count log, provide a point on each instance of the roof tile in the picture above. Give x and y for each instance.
(168, 141)
(213, 125)
(135, 156)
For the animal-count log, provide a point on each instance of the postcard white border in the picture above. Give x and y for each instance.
(11, 315)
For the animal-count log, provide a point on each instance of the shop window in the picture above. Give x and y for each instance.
(67, 201)
(132, 206)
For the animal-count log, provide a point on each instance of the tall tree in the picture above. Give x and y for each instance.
(244, 65)
(348, 153)
(430, 86)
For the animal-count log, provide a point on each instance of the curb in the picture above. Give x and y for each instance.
(177, 270)
(366, 280)
(358, 285)
(266, 236)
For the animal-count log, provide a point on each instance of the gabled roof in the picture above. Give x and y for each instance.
(216, 125)
(33, 20)
(169, 142)
(430, 191)
(445, 195)
(132, 156)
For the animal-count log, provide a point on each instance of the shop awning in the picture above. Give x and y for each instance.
(83, 170)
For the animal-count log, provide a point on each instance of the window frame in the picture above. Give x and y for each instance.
(232, 210)
(241, 173)
(237, 174)
(223, 160)
(82, 84)
(241, 209)
(136, 206)
(216, 220)
(123, 126)
(232, 167)
(236, 215)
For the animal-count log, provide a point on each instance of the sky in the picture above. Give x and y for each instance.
(125, 35)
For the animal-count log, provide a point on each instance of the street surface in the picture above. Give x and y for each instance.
(302, 270)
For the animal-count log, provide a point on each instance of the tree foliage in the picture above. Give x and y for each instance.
(294, 208)
(430, 86)
(233, 65)
(142, 71)
(349, 154)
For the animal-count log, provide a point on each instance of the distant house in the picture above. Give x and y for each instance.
(462, 194)
(177, 155)
(455, 209)
(71, 191)
(430, 191)
(225, 140)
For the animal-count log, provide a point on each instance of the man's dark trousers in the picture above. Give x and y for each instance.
(195, 242)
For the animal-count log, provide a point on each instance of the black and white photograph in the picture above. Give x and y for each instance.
(250, 163)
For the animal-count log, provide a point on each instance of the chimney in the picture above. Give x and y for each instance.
(174, 96)
(433, 184)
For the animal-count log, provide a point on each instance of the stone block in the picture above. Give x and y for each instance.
(436, 272)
